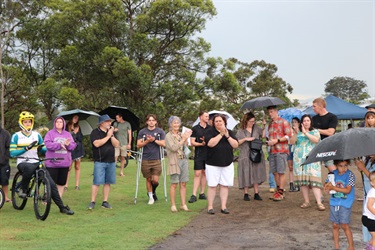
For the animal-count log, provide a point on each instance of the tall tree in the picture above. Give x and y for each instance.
(347, 88)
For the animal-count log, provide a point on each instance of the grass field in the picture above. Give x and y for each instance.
(127, 225)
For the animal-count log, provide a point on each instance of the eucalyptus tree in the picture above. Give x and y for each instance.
(347, 88)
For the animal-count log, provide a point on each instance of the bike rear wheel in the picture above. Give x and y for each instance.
(2, 197)
(42, 197)
(17, 202)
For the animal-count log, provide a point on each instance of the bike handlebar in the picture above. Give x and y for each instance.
(40, 159)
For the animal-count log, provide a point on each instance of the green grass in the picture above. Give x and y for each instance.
(127, 225)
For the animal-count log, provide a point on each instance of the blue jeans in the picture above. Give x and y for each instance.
(104, 173)
(271, 180)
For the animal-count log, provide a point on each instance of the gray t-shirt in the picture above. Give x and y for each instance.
(122, 133)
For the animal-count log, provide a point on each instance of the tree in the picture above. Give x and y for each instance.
(347, 88)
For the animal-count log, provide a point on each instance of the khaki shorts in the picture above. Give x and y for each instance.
(150, 168)
(121, 151)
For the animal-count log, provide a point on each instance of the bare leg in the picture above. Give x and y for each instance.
(349, 236)
(246, 190)
(94, 192)
(335, 231)
(197, 181)
(224, 196)
(318, 194)
(172, 192)
(211, 192)
(290, 166)
(6, 190)
(277, 179)
(106, 189)
(305, 193)
(183, 193)
(148, 184)
(122, 165)
(256, 188)
(67, 179)
(60, 189)
(282, 180)
(77, 167)
(203, 181)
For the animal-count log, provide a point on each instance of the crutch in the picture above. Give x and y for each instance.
(139, 166)
(164, 172)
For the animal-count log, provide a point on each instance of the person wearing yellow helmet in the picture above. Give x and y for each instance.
(22, 144)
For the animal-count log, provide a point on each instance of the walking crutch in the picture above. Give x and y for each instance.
(139, 166)
(164, 172)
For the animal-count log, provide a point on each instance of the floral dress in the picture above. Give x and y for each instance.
(310, 174)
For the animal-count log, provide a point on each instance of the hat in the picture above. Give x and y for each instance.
(104, 118)
(371, 106)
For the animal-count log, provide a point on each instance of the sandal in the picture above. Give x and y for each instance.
(305, 205)
(173, 209)
(321, 207)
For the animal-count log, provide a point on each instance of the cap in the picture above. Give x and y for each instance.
(104, 118)
(371, 106)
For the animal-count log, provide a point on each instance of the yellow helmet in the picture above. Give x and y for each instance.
(25, 115)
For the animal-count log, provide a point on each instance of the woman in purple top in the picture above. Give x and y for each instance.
(59, 144)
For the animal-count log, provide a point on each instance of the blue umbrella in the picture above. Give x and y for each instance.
(289, 113)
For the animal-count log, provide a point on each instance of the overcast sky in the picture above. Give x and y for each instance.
(309, 41)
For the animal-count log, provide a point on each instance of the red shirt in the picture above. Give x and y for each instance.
(277, 129)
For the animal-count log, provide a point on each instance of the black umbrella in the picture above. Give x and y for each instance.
(348, 144)
(263, 101)
(129, 116)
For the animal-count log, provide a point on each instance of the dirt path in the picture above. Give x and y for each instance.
(265, 225)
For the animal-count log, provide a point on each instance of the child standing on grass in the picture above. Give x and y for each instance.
(341, 202)
(368, 217)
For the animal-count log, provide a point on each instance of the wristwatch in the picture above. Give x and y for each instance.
(278, 141)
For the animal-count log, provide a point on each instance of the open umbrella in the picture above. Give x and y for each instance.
(348, 144)
(88, 120)
(289, 113)
(263, 101)
(128, 116)
(231, 122)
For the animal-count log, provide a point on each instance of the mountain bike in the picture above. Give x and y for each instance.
(39, 188)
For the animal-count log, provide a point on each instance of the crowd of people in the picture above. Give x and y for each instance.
(287, 147)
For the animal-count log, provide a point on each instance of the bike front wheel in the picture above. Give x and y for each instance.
(42, 197)
(2, 197)
(17, 202)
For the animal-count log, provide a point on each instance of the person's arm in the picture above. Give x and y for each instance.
(129, 139)
(215, 140)
(232, 140)
(313, 138)
(361, 167)
(328, 132)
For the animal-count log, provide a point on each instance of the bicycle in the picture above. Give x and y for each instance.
(39, 188)
(2, 198)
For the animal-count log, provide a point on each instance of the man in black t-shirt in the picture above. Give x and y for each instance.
(200, 155)
(103, 148)
(326, 124)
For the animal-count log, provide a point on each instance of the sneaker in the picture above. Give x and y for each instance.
(155, 197)
(66, 210)
(21, 194)
(91, 205)
(202, 197)
(277, 196)
(246, 197)
(151, 201)
(105, 204)
(193, 199)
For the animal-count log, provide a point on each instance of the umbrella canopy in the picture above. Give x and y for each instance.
(128, 116)
(351, 143)
(88, 120)
(263, 101)
(231, 122)
(289, 113)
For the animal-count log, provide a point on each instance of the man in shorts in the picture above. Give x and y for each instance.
(279, 132)
(123, 133)
(103, 148)
(151, 139)
(200, 155)
(326, 124)
(4, 161)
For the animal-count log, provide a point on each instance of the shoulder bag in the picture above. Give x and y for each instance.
(255, 154)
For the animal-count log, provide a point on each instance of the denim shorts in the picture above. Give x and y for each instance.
(340, 215)
(104, 173)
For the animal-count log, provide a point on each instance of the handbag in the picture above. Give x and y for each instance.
(255, 148)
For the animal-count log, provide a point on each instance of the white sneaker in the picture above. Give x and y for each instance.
(151, 201)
